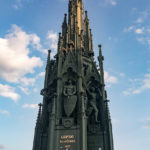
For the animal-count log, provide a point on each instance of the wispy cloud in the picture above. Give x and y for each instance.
(41, 74)
(139, 20)
(27, 81)
(53, 39)
(17, 4)
(140, 27)
(111, 2)
(9, 92)
(24, 90)
(109, 78)
(134, 29)
(35, 90)
(138, 85)
(108, 2)
(139, 30)
(30, 106)
(129, 29)
(4, 112)
(147, 124)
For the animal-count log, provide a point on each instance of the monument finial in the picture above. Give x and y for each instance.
(49, 56)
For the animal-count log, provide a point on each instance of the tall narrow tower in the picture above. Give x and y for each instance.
(74, 114)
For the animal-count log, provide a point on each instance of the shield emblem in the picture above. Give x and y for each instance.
(70, 104)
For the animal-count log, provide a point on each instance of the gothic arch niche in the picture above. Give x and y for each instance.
(93, 102)
(69, 94)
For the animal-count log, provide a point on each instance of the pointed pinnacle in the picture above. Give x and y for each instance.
(86, 13)
(65, 18)
(100, 52)
(40, 105)
(100, 46)
(48, 58)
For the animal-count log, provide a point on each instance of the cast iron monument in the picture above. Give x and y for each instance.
(74, 114)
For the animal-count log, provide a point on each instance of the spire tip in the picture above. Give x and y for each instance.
(49, 51)
(100, 46)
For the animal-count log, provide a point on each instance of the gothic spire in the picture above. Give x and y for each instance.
(88, 41)
(75, 20)
(76, 13)
(48, 58)
(64, 25)
(76, 31)
(47, 69)
(101, 59)
(64, 31)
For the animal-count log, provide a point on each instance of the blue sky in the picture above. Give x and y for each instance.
(29, 27)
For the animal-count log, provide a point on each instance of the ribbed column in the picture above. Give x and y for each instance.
(51, 126)
(83, 123)
(81, 96)
(59, 87)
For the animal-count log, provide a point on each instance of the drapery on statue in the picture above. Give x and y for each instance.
(70, 98)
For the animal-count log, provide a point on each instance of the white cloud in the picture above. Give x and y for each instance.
(53, 39)
(35, 90)
(24, 90)
(148, 30)
(4, 112)
(139, 85)
(15, 61)
(140, 27)
(17, 5)
(139, 20)
(114, 3)
(42, 74)
(139, 30)
(3, 147)
(147, 125)
(141, 40)
(35, 41)
(109, 79)
(111, 2)
(128, 91)
(8, 92)
(121, 74)
(31, 106)
(129, 29)
(27, 81)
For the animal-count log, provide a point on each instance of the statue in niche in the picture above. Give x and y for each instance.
(92, 102)
(70, 99)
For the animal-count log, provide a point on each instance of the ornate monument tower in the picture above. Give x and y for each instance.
(74, 114)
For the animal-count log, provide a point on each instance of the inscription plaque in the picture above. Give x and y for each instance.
(68, 139)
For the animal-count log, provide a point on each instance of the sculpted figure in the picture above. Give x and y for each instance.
(70, 99)
(69, 89)
(47, 93)
(44, 92)
(92, 102)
